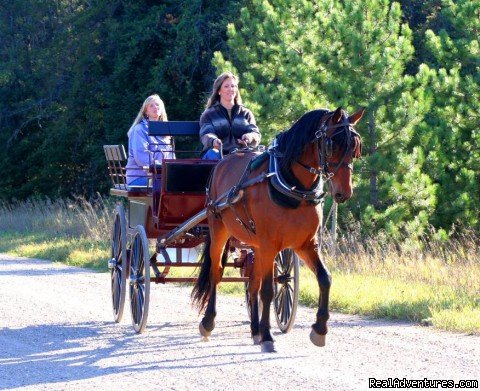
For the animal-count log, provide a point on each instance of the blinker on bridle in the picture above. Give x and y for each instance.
(325, 149)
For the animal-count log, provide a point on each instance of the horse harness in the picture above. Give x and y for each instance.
(314, 195)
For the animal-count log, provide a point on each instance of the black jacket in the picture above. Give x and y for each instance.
(215, 123)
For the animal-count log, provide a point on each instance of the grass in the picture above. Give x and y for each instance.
(431, 283)
(73, 232)
(75, 252)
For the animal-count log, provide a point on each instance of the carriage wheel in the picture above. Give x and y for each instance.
(118, 263)
(286, 289)
(139, 279)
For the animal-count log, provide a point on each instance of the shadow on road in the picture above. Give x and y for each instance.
(57, 353)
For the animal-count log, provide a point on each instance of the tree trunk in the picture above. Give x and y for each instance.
(373, 150)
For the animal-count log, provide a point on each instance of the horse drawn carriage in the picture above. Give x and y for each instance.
(171, 211)
(270, 202)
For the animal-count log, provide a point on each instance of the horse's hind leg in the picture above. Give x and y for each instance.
(219, 237)
(262, 271)
(310, 254)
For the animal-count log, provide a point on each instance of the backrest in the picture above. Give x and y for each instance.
(174, 128)
(116, 157)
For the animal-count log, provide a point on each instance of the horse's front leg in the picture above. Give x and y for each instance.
(310, 254)
(266, 296)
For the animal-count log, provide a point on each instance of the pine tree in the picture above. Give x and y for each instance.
(302, 55)
(449, 133)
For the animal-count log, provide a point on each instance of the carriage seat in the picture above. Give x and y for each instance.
(116, 158)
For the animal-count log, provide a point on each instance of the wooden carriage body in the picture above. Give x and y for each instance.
(175, 190)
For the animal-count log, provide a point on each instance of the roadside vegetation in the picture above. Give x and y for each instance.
(430, 282)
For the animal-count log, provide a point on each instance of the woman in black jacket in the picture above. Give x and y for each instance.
(226, 124)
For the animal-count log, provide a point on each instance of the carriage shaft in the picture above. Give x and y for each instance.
(162, 280)
(189, 224)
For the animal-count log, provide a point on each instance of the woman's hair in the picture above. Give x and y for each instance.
(217, 84)
(142, 113)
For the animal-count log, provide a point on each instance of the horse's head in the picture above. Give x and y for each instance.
(338, 144)
(323, 143)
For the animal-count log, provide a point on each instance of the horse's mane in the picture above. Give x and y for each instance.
(292, 142)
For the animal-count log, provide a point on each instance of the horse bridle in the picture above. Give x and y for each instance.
(325, 148)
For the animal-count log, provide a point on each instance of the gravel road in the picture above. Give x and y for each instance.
(57, 332)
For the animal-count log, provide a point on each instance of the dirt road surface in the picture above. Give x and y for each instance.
(57, 333)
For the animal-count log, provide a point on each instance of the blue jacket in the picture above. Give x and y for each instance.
(144, 150)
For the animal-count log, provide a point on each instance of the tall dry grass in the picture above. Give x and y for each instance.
(454, 263)
(76, 217)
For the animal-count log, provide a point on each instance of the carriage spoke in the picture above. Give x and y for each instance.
(138, 309)
(281, 303)
(115, 239)
(118, 263)
(141, 300)
(118, 242)
(133, 266)
(278, 293)
(280, 261)
(284, 317)
(116, 288)
(290, 265)
(139, 305)
(288, 293)
(134, 304)
(286, 308)
(139, 279)
(288, 303)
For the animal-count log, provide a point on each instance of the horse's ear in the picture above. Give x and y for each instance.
(354, 118)
(337, 115)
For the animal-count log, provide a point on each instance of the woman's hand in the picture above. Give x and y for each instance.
(246, 139)
(217, 144)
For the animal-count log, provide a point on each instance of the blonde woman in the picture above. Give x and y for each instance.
(143, 149)
(226, 124)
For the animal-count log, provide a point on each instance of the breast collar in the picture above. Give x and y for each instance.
(315, 194)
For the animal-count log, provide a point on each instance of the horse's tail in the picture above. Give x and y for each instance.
(201, 290)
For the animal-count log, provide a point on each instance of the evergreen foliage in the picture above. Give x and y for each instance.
(73, 74)
(449, 132)
(349, 54)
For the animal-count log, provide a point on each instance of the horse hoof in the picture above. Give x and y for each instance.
(203, 332)
(268, 347)
(317, 339)
(257, 339)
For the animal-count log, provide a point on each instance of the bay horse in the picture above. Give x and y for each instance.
(318, 148)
